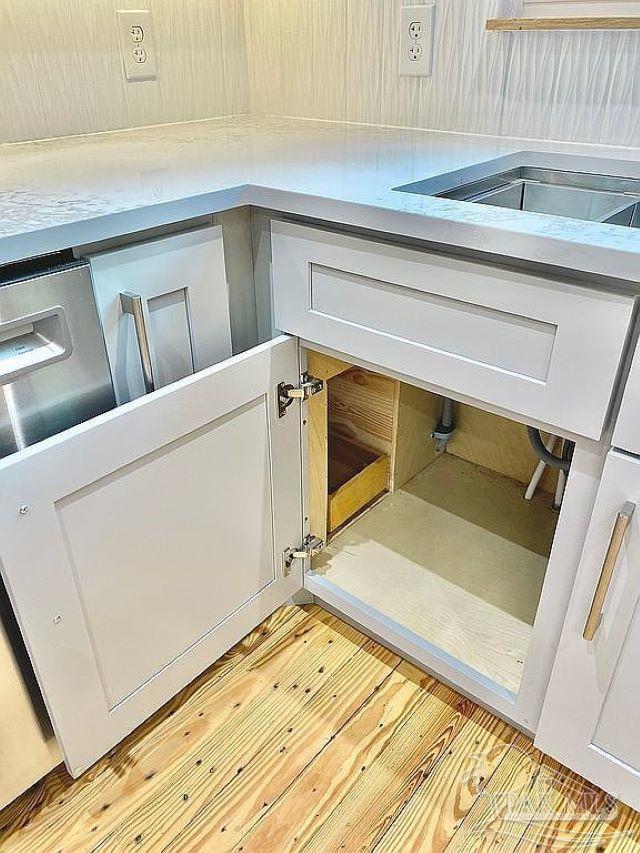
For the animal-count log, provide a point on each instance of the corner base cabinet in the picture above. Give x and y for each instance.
(590, 716)
(141, 545)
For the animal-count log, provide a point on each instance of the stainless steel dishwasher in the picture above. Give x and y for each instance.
(53, 374)
(54, 371)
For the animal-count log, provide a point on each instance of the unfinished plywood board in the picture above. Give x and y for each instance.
(357, 476)
(456, 556)
(418, 413)
(496, 443)
(362, 408)
(322, 367)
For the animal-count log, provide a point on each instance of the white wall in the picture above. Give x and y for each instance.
(338, 59)
(60, 69)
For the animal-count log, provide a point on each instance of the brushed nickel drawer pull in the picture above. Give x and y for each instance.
(623, 520)
(131, 303)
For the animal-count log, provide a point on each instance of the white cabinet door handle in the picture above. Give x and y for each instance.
(623, 520)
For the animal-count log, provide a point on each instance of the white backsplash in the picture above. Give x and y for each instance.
(60, 69)
(338, 59)
(61, 73)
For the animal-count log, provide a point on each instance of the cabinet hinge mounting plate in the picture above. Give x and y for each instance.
(287, 393)
(311, 546)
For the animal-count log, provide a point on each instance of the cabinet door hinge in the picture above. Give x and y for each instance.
(311, 546)
(309, 386)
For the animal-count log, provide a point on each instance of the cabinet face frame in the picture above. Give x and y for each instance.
(40, 562)
(592, 700)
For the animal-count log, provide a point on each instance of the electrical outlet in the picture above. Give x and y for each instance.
(136, 44)
(417, 27)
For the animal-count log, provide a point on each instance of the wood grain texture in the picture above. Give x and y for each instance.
(476, 600)
(418, 413)
(628, 22)
(362, 407)
(358, 492)
(322, 367)
(308, 736)
(496, 443)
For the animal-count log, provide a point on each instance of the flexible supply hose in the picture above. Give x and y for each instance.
(562, 462)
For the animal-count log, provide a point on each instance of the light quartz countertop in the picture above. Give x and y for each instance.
(62, 193)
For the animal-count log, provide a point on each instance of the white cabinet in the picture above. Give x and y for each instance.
(626, 434)
(519, 342)
(139, 546)
(164, 308)
(590, 714)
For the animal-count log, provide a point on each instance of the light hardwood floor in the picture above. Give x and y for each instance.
(309, 736)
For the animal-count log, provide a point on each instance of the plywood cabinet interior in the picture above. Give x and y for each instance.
(444, 545)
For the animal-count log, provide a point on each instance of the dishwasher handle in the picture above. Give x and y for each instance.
(132, 303)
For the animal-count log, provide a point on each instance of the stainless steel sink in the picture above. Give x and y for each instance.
(576, 195)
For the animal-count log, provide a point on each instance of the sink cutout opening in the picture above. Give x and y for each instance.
(442, 543)
(573, 194)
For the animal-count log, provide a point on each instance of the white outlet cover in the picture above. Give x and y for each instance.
(417, 30)
(136, 44)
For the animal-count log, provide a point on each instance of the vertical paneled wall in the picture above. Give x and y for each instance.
(338, 59)
(60, 68)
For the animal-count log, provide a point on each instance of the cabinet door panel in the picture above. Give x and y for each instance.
(182, 282)
(150, 540)
(589, 719)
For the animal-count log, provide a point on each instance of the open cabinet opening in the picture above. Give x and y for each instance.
(444, 536)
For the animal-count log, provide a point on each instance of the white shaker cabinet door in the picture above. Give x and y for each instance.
(140, 546)
(164, 309)
(590, 715)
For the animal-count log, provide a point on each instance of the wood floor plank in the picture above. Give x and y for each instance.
(500, 815)
(309, 736)
(277, 685)
(435, 810)
(619, 833)
(237, 807)
(331, 786)
(410, 757)
(564, 811)
(59, 812)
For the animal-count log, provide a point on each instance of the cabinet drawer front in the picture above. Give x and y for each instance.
(589, 718)
(150, 541)
(516, 341)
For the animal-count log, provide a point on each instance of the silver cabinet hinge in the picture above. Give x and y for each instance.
(311, 546)
(287, 393)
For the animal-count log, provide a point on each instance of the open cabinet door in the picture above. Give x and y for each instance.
(141, 545)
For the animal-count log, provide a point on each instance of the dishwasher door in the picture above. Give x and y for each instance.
(54, 372)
